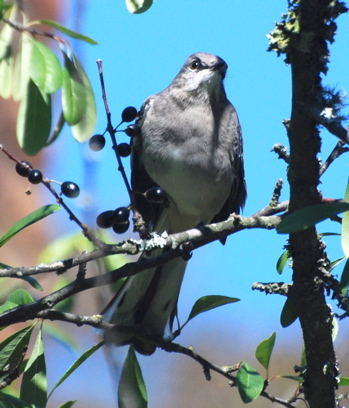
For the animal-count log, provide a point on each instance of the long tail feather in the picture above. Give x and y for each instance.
(146, 303)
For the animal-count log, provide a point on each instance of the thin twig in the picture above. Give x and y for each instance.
(338, 150)
(112, 133)
(335, 127)
(281, 288)
(276, 193)
(89, 234)
(95, 321)
(20, 28)
(269, 210)
(207, 365)
(281, 152)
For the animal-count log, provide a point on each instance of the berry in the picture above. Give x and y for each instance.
(133, 130)
(105, 219)
(123, 149)
(22, 170)
(121, 228)
(96, 142)
(121, 215)
(129, 114)
(35, 176)
(155, 195)
(70, 189)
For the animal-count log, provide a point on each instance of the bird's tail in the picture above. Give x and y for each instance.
(146, 305)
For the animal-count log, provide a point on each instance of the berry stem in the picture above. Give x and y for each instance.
(89, 234)
(10, 155)
(112, 131)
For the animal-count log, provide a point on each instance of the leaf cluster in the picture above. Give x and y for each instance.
(31, 73)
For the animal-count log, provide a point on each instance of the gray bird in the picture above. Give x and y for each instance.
(191, 147)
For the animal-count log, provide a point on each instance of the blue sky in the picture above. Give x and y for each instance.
(141, 54)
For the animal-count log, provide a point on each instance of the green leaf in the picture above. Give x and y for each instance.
(30, 219)
(249, 382)
(12, 348)
(343, 381)
(299, 379)
(344, 282)
(86, 125)
(6, 35)
(6, 68)
(282, 261)
(206, 303)
(303, 362)
(32, 282)
(21, 297)
(33, 120)
(345, 226)
(34, 382)
(45, 69)
(8, 401)
(21, 73)
(73, 92)
(309, 216)
(77, 364)
(138, 6)
(66, 31)
(1, 7)
(67, 404)
(288, 314)
(336, 262)
(17, 298)
(132, 392)
(4, 266)
(57, 129)
(264, 350)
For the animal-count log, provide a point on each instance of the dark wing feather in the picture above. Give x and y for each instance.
(237, 198)
(140, 179)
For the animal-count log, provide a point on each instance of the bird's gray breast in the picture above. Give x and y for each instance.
(185, 151)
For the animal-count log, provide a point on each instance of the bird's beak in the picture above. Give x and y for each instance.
(220, 66)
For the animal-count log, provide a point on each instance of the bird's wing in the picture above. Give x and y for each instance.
(140, 179)
(238, 193)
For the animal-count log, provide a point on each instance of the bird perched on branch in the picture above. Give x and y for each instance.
(190, 146)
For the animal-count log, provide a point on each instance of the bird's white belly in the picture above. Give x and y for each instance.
(198, 191)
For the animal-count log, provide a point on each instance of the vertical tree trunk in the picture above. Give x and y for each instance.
(308, 56)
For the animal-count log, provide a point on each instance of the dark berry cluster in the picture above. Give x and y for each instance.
(155, 195)
(97, 142)
(118, 220)
(34, 176)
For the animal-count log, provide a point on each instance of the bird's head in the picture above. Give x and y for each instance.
(202, 73)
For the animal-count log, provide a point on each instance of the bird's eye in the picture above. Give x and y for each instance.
(194, 66)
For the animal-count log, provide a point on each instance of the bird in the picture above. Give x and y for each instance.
(190, 146)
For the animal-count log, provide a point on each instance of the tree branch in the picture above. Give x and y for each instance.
(225, 371)
(197, 236)
(281, 288)
(338, 150)
(309, 27)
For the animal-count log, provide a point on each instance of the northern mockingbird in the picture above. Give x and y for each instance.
(190, 146)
